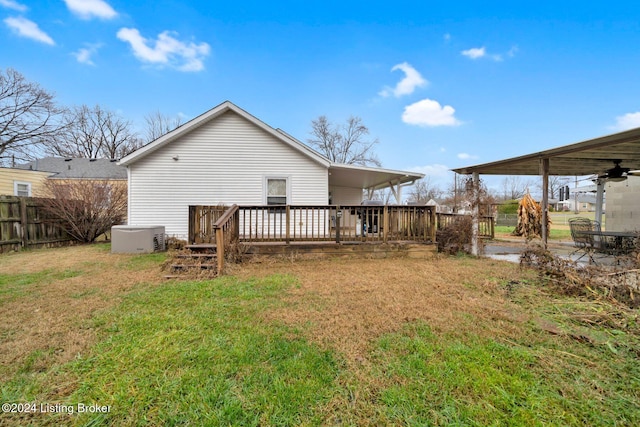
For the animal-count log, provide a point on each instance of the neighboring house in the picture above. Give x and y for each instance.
(20, 182)
(72, 169)
(623, 213)
(586, 203)
(228, 156)
(78, 168)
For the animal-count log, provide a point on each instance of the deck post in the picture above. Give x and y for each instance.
(192, 224)
(287, 237)
(385, 223)
(338, 223)
(220, 249)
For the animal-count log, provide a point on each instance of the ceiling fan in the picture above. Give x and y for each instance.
(618, 173)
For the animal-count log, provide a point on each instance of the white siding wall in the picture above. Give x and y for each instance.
(223, 161)
(623, 205)
(346, 195)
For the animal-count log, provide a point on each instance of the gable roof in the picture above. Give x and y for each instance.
(340, 174)
(211, 115)
(74, 168)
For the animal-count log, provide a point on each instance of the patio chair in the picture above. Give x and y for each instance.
(587, 243)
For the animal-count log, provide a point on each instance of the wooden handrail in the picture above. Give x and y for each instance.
(219, 230)
(226, 216)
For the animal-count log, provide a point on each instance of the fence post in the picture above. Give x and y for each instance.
(493, 227)
(432, 219)
(24, 225)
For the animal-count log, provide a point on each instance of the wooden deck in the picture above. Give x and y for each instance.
(339, 230)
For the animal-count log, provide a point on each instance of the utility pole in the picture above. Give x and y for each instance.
(575, 198)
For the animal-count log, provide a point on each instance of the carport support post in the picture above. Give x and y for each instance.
(544, 169)
(475, 215)
(599, 199)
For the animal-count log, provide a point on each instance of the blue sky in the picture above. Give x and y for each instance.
(441, 85)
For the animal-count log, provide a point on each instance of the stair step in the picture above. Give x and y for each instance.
(195, 255)
(201, 266)
(201, 247)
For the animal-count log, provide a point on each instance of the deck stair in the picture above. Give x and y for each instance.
(195, 261)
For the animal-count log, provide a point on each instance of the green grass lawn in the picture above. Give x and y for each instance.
(554, 233)
(213, 353)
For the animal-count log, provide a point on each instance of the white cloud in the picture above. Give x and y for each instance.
(475, 53)
(83, 55)
(14, 5)
(627, 121)
(429, 113)
(408, 84)
(87, 9)
(29, 29)
(447, 37)
(166, 50)
(466, 156)
(512, 52)
(481, 52)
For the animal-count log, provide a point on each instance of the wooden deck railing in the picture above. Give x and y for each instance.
(201, 221)
(225, 226)
(486, 224)
(318, 223)
(336, 223)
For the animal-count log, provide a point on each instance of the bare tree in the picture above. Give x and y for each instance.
(555, 183)
(28, 116)
(159, 124)
(514, 187)
(94, 133)
(423, 191)
(345, 144)
(86, 208)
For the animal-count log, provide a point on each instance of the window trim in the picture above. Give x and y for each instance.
(15, 188)
(265, 189)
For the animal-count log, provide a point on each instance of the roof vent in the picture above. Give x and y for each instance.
(68, 159)
(92, 160)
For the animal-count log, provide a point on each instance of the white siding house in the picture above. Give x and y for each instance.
(228, 156)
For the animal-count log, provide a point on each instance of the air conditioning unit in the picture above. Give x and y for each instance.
(137, 239)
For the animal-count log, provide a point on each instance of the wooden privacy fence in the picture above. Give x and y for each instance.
(317, 223)
(486, 224)
(24, 224)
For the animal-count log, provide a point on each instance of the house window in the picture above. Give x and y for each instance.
(276, 191)
(22, 189)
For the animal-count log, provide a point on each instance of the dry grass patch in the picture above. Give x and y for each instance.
(346, 304)
(48, 298)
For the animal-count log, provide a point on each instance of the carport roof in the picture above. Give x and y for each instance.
(582, 158)
(369, 178)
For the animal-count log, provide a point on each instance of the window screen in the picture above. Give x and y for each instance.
(276, 191)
